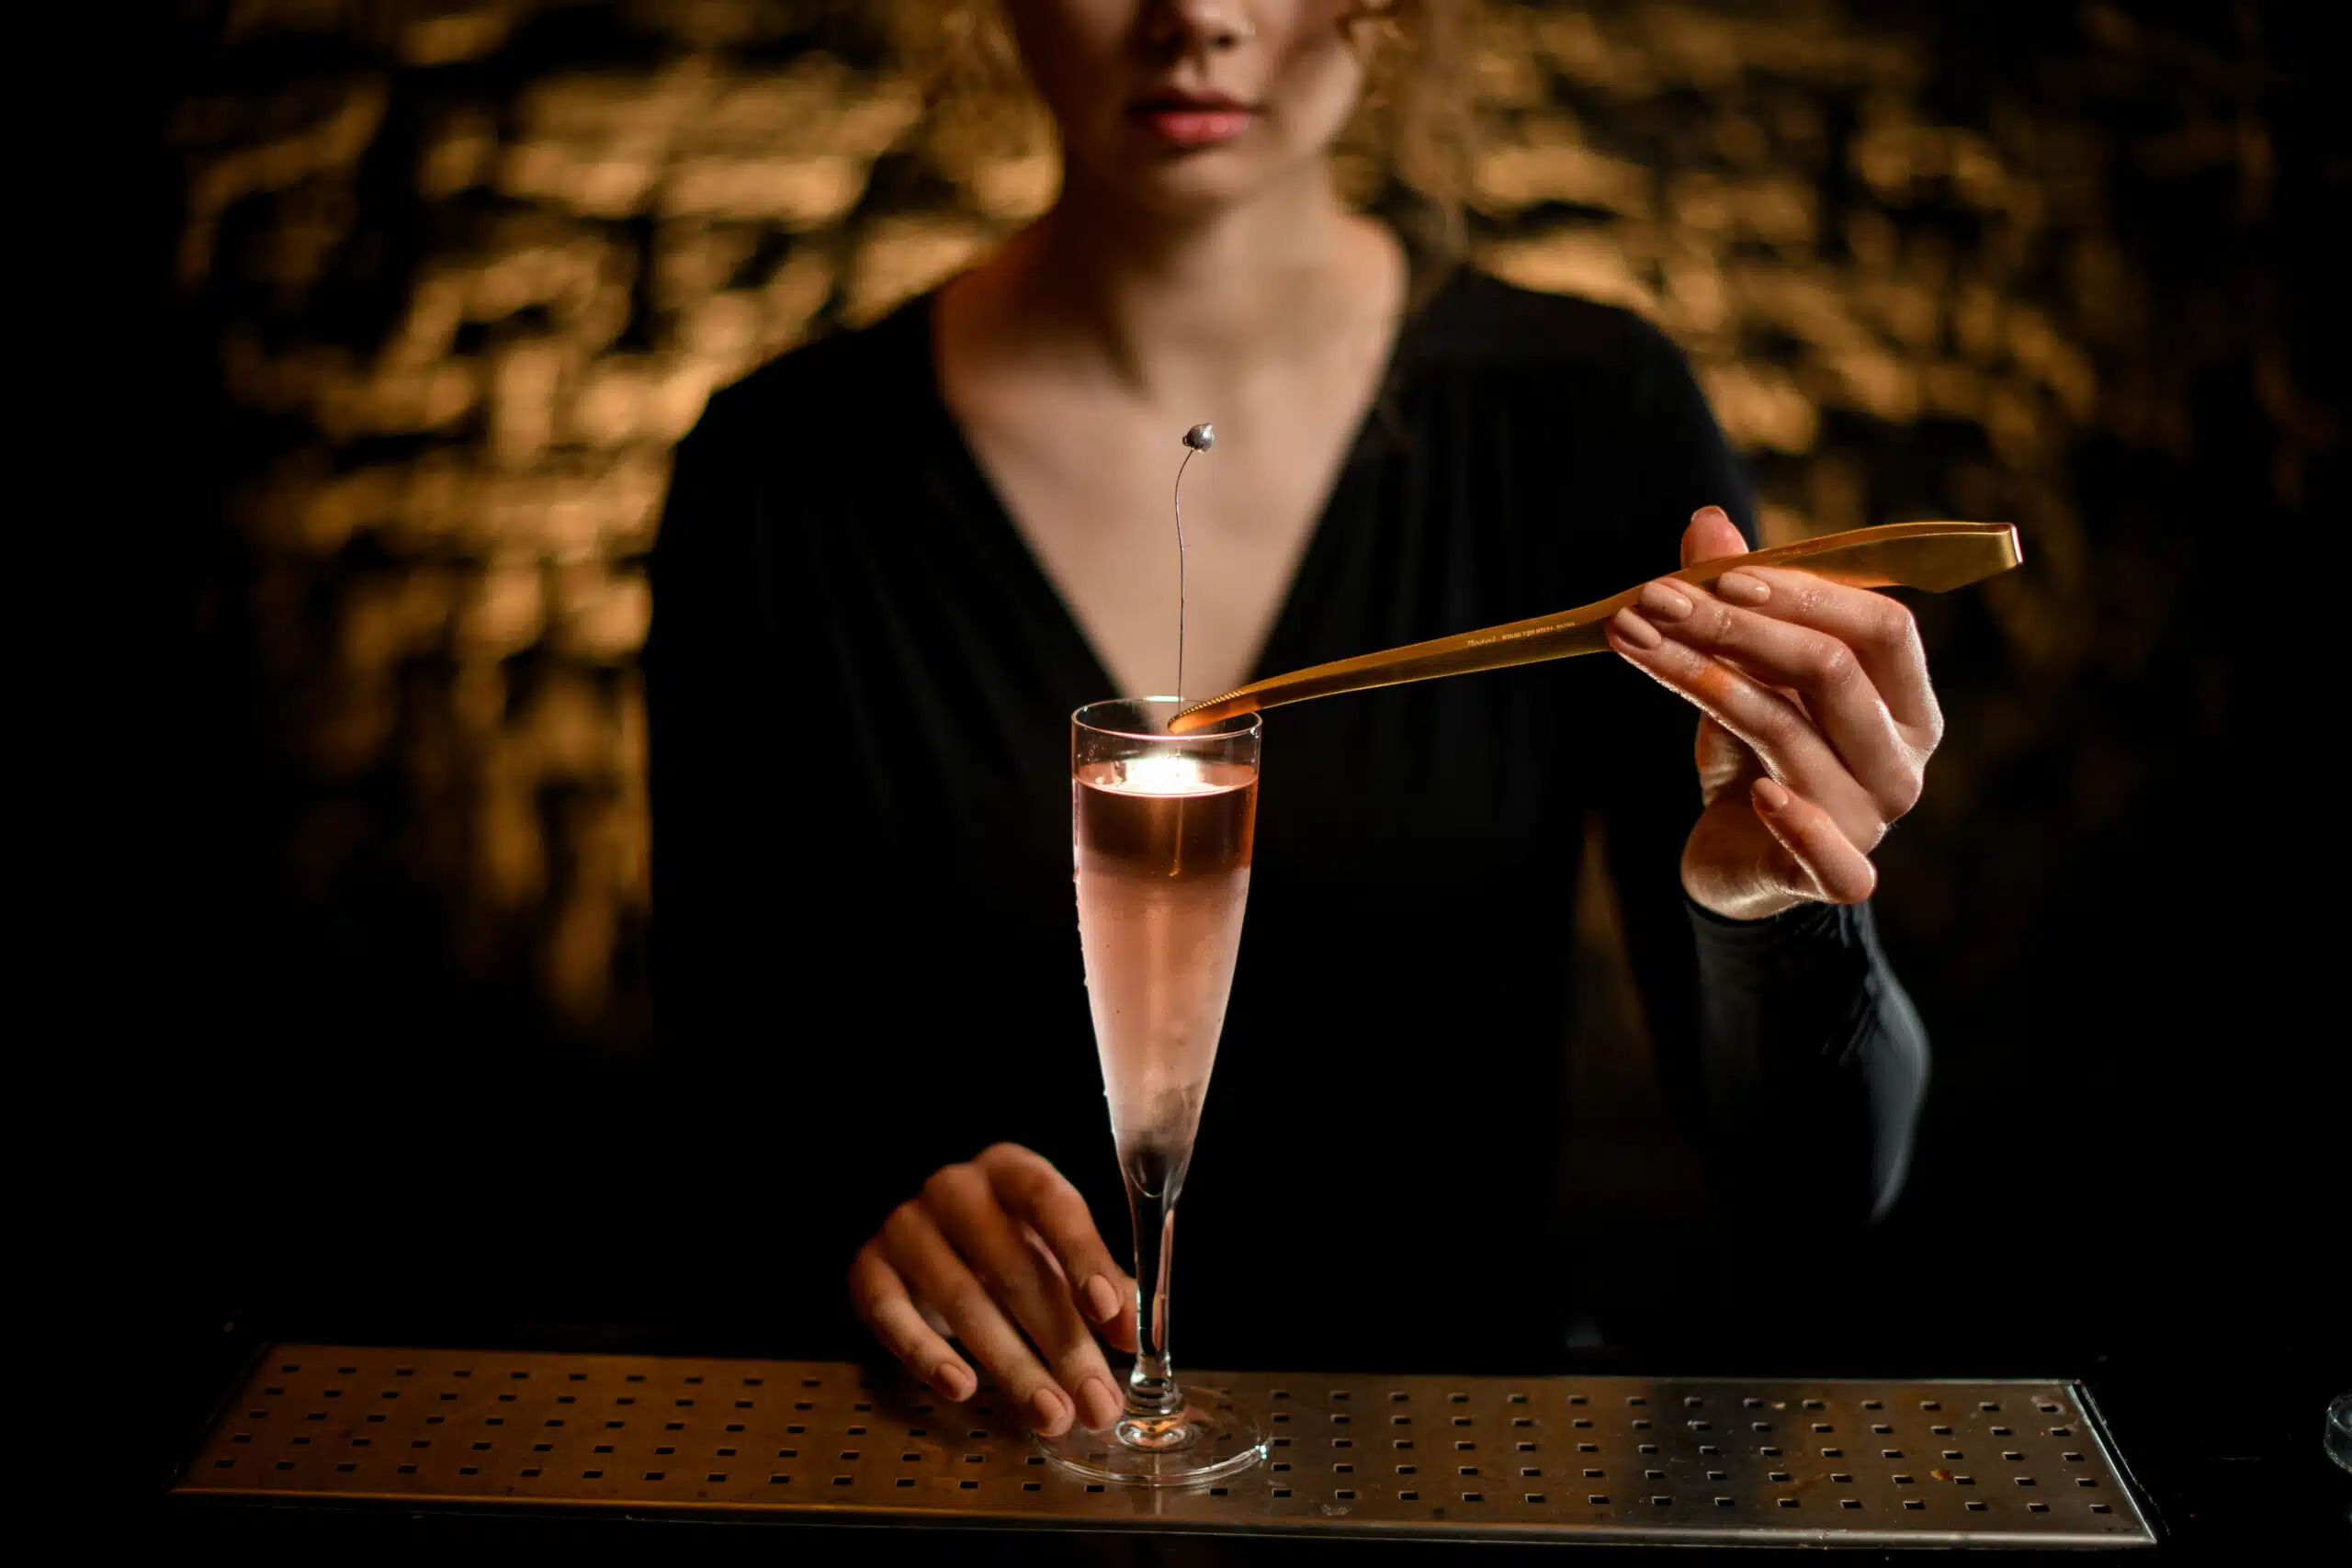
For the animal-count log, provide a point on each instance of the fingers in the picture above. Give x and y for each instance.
(1844, 756)
(1711, 535)
(1024, 1281)
(1827, 673)
(886, 1309)
(1775, 728)
(1880, 630)
(1033, 1191)
(915, 1247)
(1840, 872)
(998, 1261)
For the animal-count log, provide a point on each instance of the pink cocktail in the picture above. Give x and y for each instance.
(1161, 832)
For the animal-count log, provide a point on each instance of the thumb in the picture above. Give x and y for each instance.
(1712, 534)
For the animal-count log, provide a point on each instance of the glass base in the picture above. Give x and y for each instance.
(1214, 1438)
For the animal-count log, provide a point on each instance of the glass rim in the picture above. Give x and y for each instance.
(1238, 726)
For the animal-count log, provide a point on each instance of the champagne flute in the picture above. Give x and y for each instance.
(1161, 832)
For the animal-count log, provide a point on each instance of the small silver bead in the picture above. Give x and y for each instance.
(1200, 437)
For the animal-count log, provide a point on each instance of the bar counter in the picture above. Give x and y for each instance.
(526, 1443)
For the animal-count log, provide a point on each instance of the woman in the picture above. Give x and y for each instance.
(893, 561)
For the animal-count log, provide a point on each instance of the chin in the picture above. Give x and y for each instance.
(1192, 192)
(1200, 182)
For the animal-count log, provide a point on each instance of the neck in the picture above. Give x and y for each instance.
(1162, 302)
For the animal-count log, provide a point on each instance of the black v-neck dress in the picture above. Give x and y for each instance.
(866, 960)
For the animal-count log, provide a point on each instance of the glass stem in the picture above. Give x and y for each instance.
(1155, 1405)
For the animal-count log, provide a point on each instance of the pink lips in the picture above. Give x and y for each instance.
(1204, 123)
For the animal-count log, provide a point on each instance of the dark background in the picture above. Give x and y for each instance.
(347, 1084)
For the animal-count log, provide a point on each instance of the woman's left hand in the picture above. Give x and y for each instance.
(1818, 720)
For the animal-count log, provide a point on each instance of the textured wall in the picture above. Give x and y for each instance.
(469, 270)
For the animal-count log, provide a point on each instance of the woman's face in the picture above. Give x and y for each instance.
(1186, 105)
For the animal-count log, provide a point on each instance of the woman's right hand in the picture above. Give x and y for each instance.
(1001, 1255)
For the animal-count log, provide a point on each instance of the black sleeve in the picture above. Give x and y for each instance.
(764, 1189)
(1788, 1047)
(700, 660)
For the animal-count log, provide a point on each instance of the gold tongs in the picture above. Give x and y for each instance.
(1931, 556)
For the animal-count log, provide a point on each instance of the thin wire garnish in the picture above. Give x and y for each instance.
(1200, 438)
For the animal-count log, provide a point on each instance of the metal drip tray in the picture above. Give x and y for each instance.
(1835, 1462)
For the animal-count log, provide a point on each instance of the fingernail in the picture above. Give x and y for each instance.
(1051, 1410)
(954, 1381)
(1101, 1405)
(1742, 589)
(1634, 629)
(1708, 511)
(1664, 603)
(1101, 1298)
(1770, 794)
